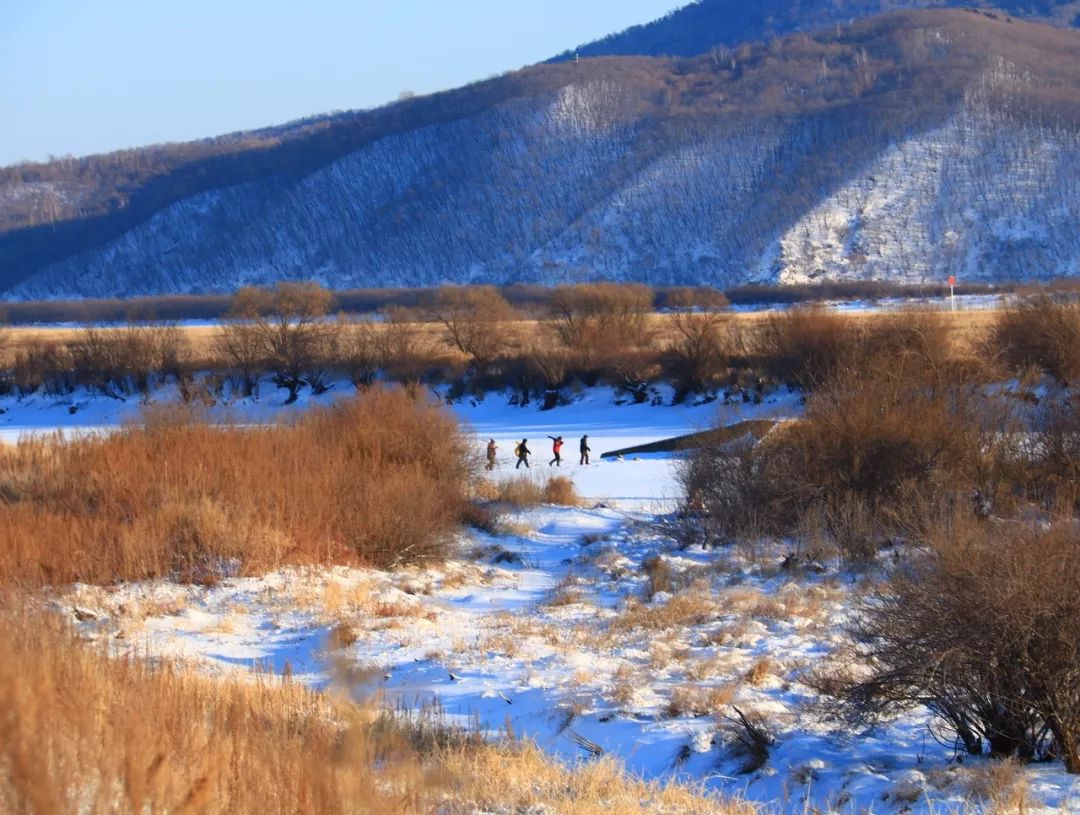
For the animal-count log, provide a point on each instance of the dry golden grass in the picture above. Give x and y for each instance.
(201, 340)
(1003, 786)
(379, 480)
(692, 606)
(531, 489)
(697, 700)
(83, 732)
(624, 686)
(759, 671)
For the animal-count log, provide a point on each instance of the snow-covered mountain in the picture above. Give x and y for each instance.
(908, 146)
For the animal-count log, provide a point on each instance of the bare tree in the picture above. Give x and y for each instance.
(474, 318)
(595, 318)
(362, 352)
(701, 347)
(285, 326)
(238, 342)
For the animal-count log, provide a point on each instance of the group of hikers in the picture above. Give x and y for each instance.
(522, 452)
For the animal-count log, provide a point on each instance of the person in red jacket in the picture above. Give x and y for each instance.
(556, 448)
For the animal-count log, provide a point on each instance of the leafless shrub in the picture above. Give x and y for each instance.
(402, 357)
(46, 366)
(1051, 460)
(807, 345)
(240, 348)
(751, 739)
(118, 362)
(726, 496)
(982, 628)
(1040, 332)
(702, 348)
(362, 352)
(872, 452)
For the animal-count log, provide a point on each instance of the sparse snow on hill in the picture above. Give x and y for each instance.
(981, 193)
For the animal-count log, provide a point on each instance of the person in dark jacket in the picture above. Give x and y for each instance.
(585, 449)
(556, 448)
(523, 453)
(491, 448)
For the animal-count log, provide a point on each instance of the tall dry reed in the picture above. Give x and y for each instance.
(379, 480)
(81, 731)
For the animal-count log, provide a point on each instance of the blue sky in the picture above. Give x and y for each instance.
(86, 76)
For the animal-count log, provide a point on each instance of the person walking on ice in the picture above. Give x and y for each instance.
(556, 448)
(585, 449)
(522, 451)
(491, 448)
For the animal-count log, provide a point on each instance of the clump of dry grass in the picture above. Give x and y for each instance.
(1001, 784)
(567, 592)
(378, 480)
(759, 671)
(522, 779)
(624, 686)
(692, 606)
(659, 576)
(529, 490)
(697, 700)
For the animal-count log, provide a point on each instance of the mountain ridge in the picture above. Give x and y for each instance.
(699, 26)
(799, 159)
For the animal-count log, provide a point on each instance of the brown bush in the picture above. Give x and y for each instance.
(362, 352)
(119, 362)
(913, 336)
(871, 453)
(806, 346)
(404, 359)
(475, 320)
(1040, 332)
(601, 319)
(528, 491)
(703, 344)
(45, 366)
(983, 629)
(1051, 464)
(379, 480)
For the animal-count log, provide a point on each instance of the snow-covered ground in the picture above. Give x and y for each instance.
(552, 631)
